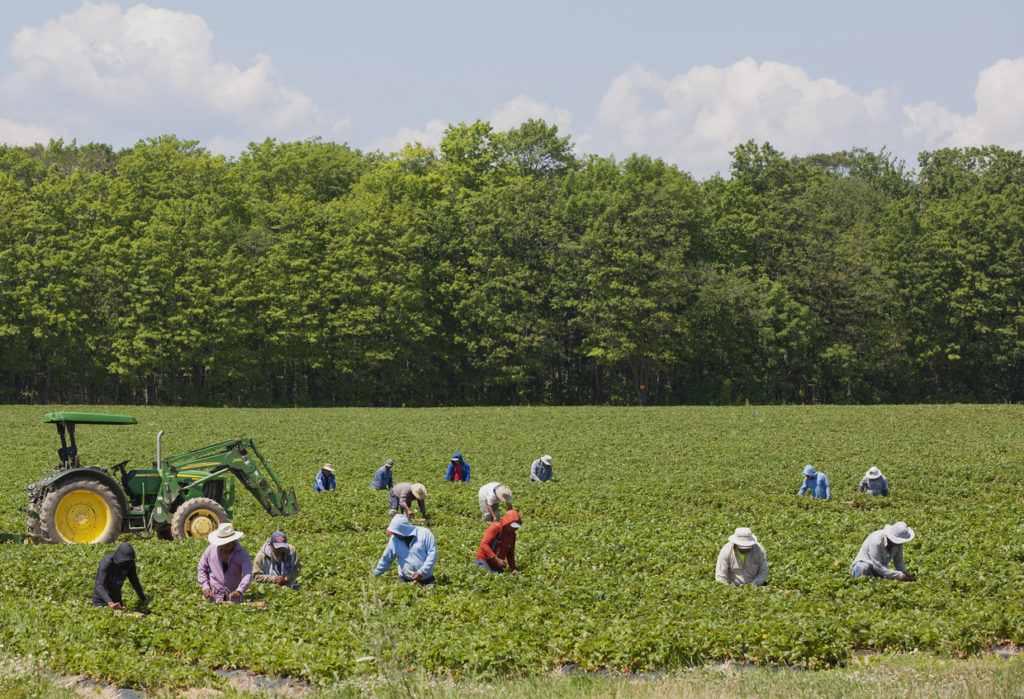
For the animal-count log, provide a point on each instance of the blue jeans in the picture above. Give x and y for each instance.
(863, 570)
(481, 563)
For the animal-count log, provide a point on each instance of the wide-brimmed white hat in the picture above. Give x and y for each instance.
(503, 492)
(546, 459)
(328, 467)
(224, 534)
(898, 533)
(873, 473)
(419, 491)
(743, 537)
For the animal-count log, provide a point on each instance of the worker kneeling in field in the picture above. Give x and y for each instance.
(277, 562)
(540, 470)
(497, 552)
(114, 569)
(742, 561)
(489, 496)
(815, 483)
(382, 478)
(414, 548)
(401, 496)
(878, 549)
(225, 569)
(324, 479)
(874, 482)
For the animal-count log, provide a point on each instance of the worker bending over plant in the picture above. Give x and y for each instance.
(277, 562)
(540, 469)
(114, 569)
(815, 483)
(458, 469)
(324, 479)
(414, 548)
(742, 560)
(874, 482)
(497, 552)
(382, 478)
(881, 547)
(401, 497)
(490, 496)
(225, 569)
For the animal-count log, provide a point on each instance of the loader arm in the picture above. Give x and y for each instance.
(216, 460)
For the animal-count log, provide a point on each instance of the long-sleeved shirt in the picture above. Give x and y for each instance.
(382, 479)
(817, 485)
(875, 552)
(224, 580)
(403, 493)
(419, 556)
(875, 486)
(324, 481)
(539, 472)
(500, 542)
(731, 571)
(267, 566)
(110, 577)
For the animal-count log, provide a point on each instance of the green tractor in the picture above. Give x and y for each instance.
(183, 496)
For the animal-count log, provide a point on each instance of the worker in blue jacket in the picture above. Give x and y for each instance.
(382, 479)
(324, 479)
(458, 469)
(816, 484)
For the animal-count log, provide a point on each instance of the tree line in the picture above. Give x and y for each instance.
(504, 268)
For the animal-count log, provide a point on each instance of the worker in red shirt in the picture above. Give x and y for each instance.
(497, 552)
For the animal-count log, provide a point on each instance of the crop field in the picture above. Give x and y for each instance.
(616, 555)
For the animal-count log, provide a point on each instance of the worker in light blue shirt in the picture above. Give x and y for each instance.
(382, 479)
(816, 484)
(415, 549)
(324, 479)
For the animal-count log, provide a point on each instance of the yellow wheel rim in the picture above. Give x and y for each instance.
(82, 517)
(200, 523)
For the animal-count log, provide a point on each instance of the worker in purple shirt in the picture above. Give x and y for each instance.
(225, 569)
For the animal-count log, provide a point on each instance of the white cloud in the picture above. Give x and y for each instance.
(146, 71)
(999, 118)
(513, 113)
(14, 134)
(430, 136)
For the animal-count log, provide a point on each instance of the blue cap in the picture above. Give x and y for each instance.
(279, 540)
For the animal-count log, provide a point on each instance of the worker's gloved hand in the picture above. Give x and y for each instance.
(207, 593)
(235, 594)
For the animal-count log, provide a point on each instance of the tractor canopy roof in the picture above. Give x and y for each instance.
(90, 418)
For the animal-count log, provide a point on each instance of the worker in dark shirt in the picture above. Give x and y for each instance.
(114, 569)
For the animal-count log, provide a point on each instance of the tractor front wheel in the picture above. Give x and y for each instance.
(83, 510)
(197, 518)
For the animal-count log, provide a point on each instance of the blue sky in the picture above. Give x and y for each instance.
(682, 81)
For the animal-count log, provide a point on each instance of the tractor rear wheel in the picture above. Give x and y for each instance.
(82, 510)
(197, 518)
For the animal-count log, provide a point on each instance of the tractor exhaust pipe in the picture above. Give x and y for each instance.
(158, 436)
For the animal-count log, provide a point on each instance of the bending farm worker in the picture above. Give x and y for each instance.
(225, 569)
(878, 549)
(540, 470)
(742, 561)
(114, 569)
(874, 482)
(815, 483)
(401, 497)
(489, 496)
(458, 469)
(324, 479)
(413, 547)
(497, 552)
(382, 478)
(277, 562)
